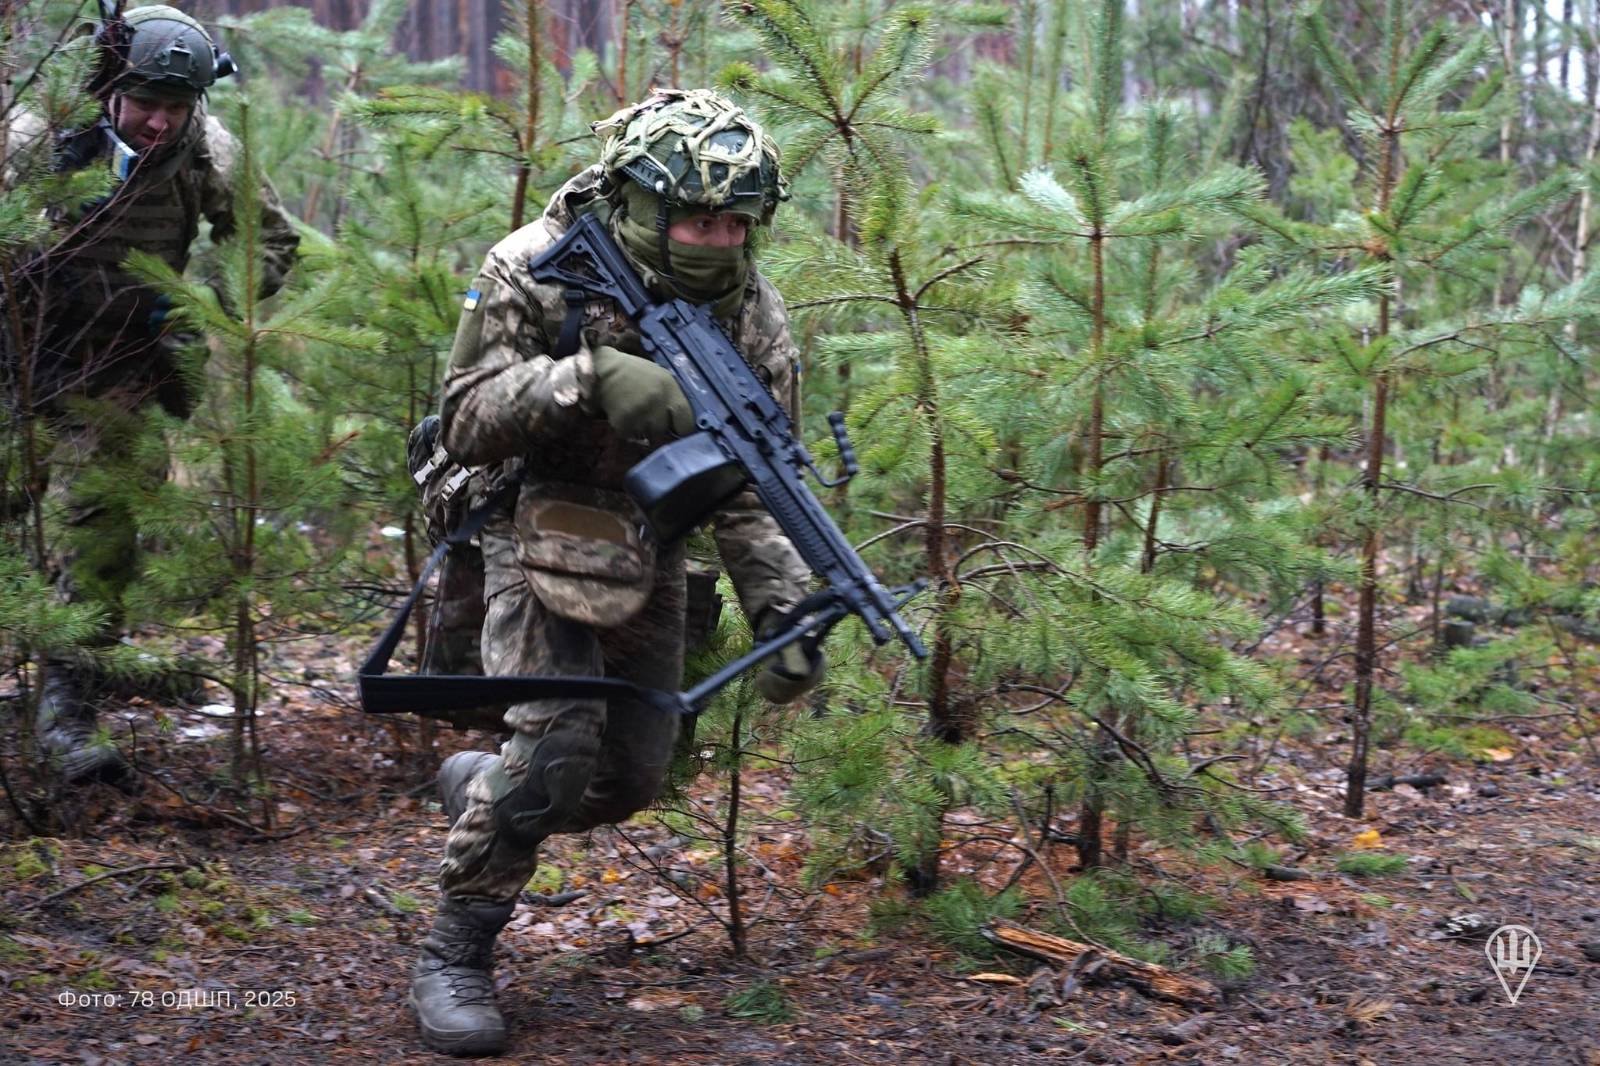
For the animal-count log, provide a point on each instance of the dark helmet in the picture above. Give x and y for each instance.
(170, 52)
(694, 148)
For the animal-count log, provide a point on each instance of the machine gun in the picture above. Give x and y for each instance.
(743, 436)
(743, 433)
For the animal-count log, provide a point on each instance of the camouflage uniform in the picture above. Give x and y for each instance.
(580, 607)
(103, 348)
(106, 353)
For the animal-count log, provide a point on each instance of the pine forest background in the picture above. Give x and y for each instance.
(1227, 368)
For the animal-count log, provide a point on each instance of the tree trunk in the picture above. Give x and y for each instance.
(530, 125)
(1091, 815)
(1372, 483)
(730, 840)
(947, 722)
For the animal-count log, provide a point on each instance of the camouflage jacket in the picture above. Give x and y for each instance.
(103, 312)
(507, 399)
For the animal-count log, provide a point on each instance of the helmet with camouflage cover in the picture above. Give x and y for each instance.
(694, 149)
(169, 52)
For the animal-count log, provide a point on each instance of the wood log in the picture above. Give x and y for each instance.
(1156, 981)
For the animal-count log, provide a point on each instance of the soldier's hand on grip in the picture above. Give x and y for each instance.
(640, 399)
(792, 672)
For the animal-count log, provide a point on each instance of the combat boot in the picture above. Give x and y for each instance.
(452, 985)
(68, 735)
(454, 776)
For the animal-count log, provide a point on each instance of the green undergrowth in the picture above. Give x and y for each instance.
(764, 1002)
(153, 909)
(1110, 908)
(1370, 864)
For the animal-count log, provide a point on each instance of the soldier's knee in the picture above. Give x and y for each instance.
(546, 800)
(621, 798)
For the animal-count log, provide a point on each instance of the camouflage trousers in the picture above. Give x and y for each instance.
(571, 764)
(102, 458)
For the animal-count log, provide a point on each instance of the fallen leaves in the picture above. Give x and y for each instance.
(1367, 838)
(994, 978)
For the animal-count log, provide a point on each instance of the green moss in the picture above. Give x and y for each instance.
(546, 880)
(1370, 864)
(27, 864)
(11, 951)
(167, 903)
(406, 903)
(300, 916)
(96, 981)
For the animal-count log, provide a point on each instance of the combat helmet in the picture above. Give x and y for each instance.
(694, 149)
(169, 52)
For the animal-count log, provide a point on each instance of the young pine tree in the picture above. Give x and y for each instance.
(1419, 118)
(241, 557)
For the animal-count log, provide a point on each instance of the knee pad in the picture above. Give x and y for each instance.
(547, 798)
(621, 799)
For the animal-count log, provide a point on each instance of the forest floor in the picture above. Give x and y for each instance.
(107, 932)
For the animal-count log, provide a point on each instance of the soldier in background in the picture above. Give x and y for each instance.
(104, 349)
(572, 587)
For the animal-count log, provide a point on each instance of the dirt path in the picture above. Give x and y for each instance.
(316, 932)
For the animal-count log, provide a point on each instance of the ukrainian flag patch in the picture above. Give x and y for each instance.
(471, 303)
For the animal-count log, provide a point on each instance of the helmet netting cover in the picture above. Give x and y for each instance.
(694, 147)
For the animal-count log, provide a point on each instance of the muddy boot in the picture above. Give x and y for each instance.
(452, 985)
(458, 770)
(70, 738)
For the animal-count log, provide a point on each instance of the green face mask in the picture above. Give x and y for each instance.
(694, 272)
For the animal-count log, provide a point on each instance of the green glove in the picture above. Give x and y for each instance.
(792, 672)
(640, 399)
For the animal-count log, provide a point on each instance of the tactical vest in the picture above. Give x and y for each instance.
(102, 312)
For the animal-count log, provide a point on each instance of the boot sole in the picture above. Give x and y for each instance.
(455, 1042)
